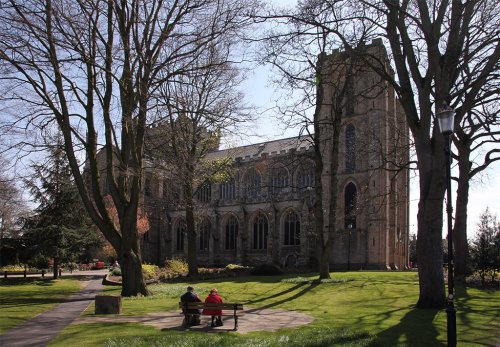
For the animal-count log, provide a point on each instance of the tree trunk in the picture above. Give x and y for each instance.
(430, 224)
(55, 269)
(1, 238)
(324, 263)
(191, 234)
(461, 248)
(133, 282)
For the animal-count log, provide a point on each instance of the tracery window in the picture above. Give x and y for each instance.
(252, 183)
(231, 232)
(350, 149)
(227, 190)
(291, 228)
(180, 232)
(204, 193)
(279, 181)
(305, 178)
(260, 232)
(204, 232)
(350, 197)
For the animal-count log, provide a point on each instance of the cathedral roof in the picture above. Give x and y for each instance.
(263, 149)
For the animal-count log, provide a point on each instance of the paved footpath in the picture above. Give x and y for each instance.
(40, 330)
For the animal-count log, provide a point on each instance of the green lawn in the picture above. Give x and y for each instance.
(21, 299)
(354, 309)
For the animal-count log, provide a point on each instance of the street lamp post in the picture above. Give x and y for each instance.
(446, 118)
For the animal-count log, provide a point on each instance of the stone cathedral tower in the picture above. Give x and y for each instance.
(371, 200)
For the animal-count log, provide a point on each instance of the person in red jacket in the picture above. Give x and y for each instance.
(213, 297)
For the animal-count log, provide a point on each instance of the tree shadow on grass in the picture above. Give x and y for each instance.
(289, 290)
(19, 302)
(16, 281)
(416, 327)
(287, 299)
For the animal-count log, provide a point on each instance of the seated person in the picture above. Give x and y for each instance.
(193, 315)
(213, 297)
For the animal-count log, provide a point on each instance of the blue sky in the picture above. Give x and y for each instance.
(485, 189)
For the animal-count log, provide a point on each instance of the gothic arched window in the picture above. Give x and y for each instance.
(279, 180)
(291, 229)
(231, 232)
(305, 178)
(260, 231)
(204, 232)
(227, 190)
(350, 148)
(180, 231)
(350, 206)
(252, 183)
(204, 193)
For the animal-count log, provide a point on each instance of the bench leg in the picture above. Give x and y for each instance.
(235, 323)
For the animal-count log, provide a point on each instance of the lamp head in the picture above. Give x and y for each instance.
(446, 119)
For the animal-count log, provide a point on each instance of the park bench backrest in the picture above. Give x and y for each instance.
(209, 305)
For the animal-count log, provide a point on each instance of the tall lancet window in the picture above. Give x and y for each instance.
(260, 232)
(231, 232)
(204, 232)
(292, 229)
(350, 206)
(350, 148)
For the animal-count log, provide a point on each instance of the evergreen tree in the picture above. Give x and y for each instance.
(61, 228)
(485, 248)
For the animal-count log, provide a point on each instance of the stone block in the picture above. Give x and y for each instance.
(108, 304)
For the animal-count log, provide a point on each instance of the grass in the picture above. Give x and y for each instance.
(352, 309)
(24, 298)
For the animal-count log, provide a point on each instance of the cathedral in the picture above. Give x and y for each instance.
(265, 212)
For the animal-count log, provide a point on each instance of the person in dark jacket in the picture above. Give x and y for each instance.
(214, 297)
(194, 315)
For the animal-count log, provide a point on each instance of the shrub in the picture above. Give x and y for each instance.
(19, 267)
(116, 271)
(177, 265)
(39, 261)
(267, 270)
(237, 267)
(174, 268)
(150, 272)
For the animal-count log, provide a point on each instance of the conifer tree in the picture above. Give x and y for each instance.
(60, 228)
(485, 247)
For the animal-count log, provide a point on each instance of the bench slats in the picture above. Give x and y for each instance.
(210, 306)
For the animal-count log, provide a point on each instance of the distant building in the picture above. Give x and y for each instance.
(265, 213)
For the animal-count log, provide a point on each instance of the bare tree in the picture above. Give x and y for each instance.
(12, 208)
(91, 66)
(476, 149)
(323, 93)
(195, 110)
(443, 52)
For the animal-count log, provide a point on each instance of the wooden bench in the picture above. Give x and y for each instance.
(24, 273)
(185, 306)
